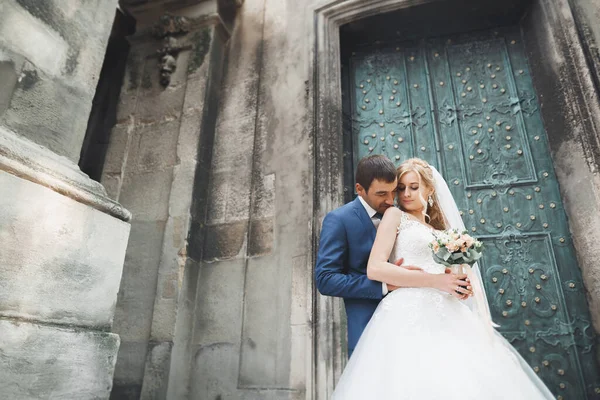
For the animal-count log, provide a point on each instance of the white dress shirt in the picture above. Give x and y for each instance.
(376, 221)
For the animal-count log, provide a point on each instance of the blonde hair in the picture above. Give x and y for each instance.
(423, 170)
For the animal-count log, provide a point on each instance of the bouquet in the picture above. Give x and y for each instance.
(453, 247)
(459, 251)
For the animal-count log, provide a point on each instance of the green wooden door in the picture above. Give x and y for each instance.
(467, 105)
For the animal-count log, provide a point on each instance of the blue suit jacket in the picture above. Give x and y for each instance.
(347, 237)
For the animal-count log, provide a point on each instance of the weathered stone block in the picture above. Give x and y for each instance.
(234, 141)
(131, 82)
(260, 240)
(218, 191)
(169, 279)
(8, 79)
(207, 43)
(123, 391)
(87, 55)
(181, 200)
(266, 337)
(82, 26)
(196, 91)
(229, 198)
(146, 195)
(264, 197)
(21, 32)
(154, 146)
(59, 122)
(60, 260)
(301, 284)
(189, 132)
(112, 184)
(224, 241)
(165, 312)
(129, 370)
(126, 104)
(64, 44)
(162, 102)
(156, 371)
(117, 150)
(215, 371)
(219, 308)
(300, 356)
(46, 362)
(133, 315)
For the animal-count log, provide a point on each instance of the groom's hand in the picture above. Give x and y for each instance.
(408, 267)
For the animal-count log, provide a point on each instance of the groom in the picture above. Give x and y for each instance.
(347, 237)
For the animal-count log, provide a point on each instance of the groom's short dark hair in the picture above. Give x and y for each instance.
(374, 167)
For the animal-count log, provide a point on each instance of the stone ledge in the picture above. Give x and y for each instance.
(35, 163)
(61, 261)
(198, 14)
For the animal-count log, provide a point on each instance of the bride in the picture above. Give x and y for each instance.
(422, 343)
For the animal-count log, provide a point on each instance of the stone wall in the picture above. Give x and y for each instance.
(51, 50)
(564, 79)
(60, 268)
(62, 240)
(159, 142)
(253, 318)
(590, 10)
(235, 315)
(216, 294)
(587, 17)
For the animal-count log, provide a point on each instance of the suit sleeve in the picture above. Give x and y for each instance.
(330, 276)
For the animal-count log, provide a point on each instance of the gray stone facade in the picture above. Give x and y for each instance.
(51, 50)
(248, 322)
(227, 150)
(63, 240)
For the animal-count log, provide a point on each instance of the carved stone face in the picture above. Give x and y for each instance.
(168, 64)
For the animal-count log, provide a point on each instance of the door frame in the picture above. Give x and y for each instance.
(573, 112)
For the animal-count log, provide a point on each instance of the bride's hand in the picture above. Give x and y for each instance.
(455, 284)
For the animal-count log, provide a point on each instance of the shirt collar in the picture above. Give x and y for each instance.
(367, 207)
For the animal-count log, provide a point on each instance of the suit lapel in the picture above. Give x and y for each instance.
(361, 213)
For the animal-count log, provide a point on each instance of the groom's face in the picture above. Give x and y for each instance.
(380, 195)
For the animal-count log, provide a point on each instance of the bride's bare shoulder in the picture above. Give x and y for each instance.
(393, 212)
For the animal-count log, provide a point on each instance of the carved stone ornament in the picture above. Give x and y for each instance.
(167, 28)
(171, 25)
(167, 66)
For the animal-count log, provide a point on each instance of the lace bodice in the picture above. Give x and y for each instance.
(412, 243)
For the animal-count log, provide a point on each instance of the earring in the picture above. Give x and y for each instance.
(430, 201)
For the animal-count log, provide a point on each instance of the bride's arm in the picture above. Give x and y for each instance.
(379, 269)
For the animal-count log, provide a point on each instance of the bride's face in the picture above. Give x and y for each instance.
(411, 193)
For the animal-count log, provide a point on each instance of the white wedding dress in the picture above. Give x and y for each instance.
(425, 344)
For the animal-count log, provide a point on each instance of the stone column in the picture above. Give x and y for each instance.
(156, 166)
(62, 240)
